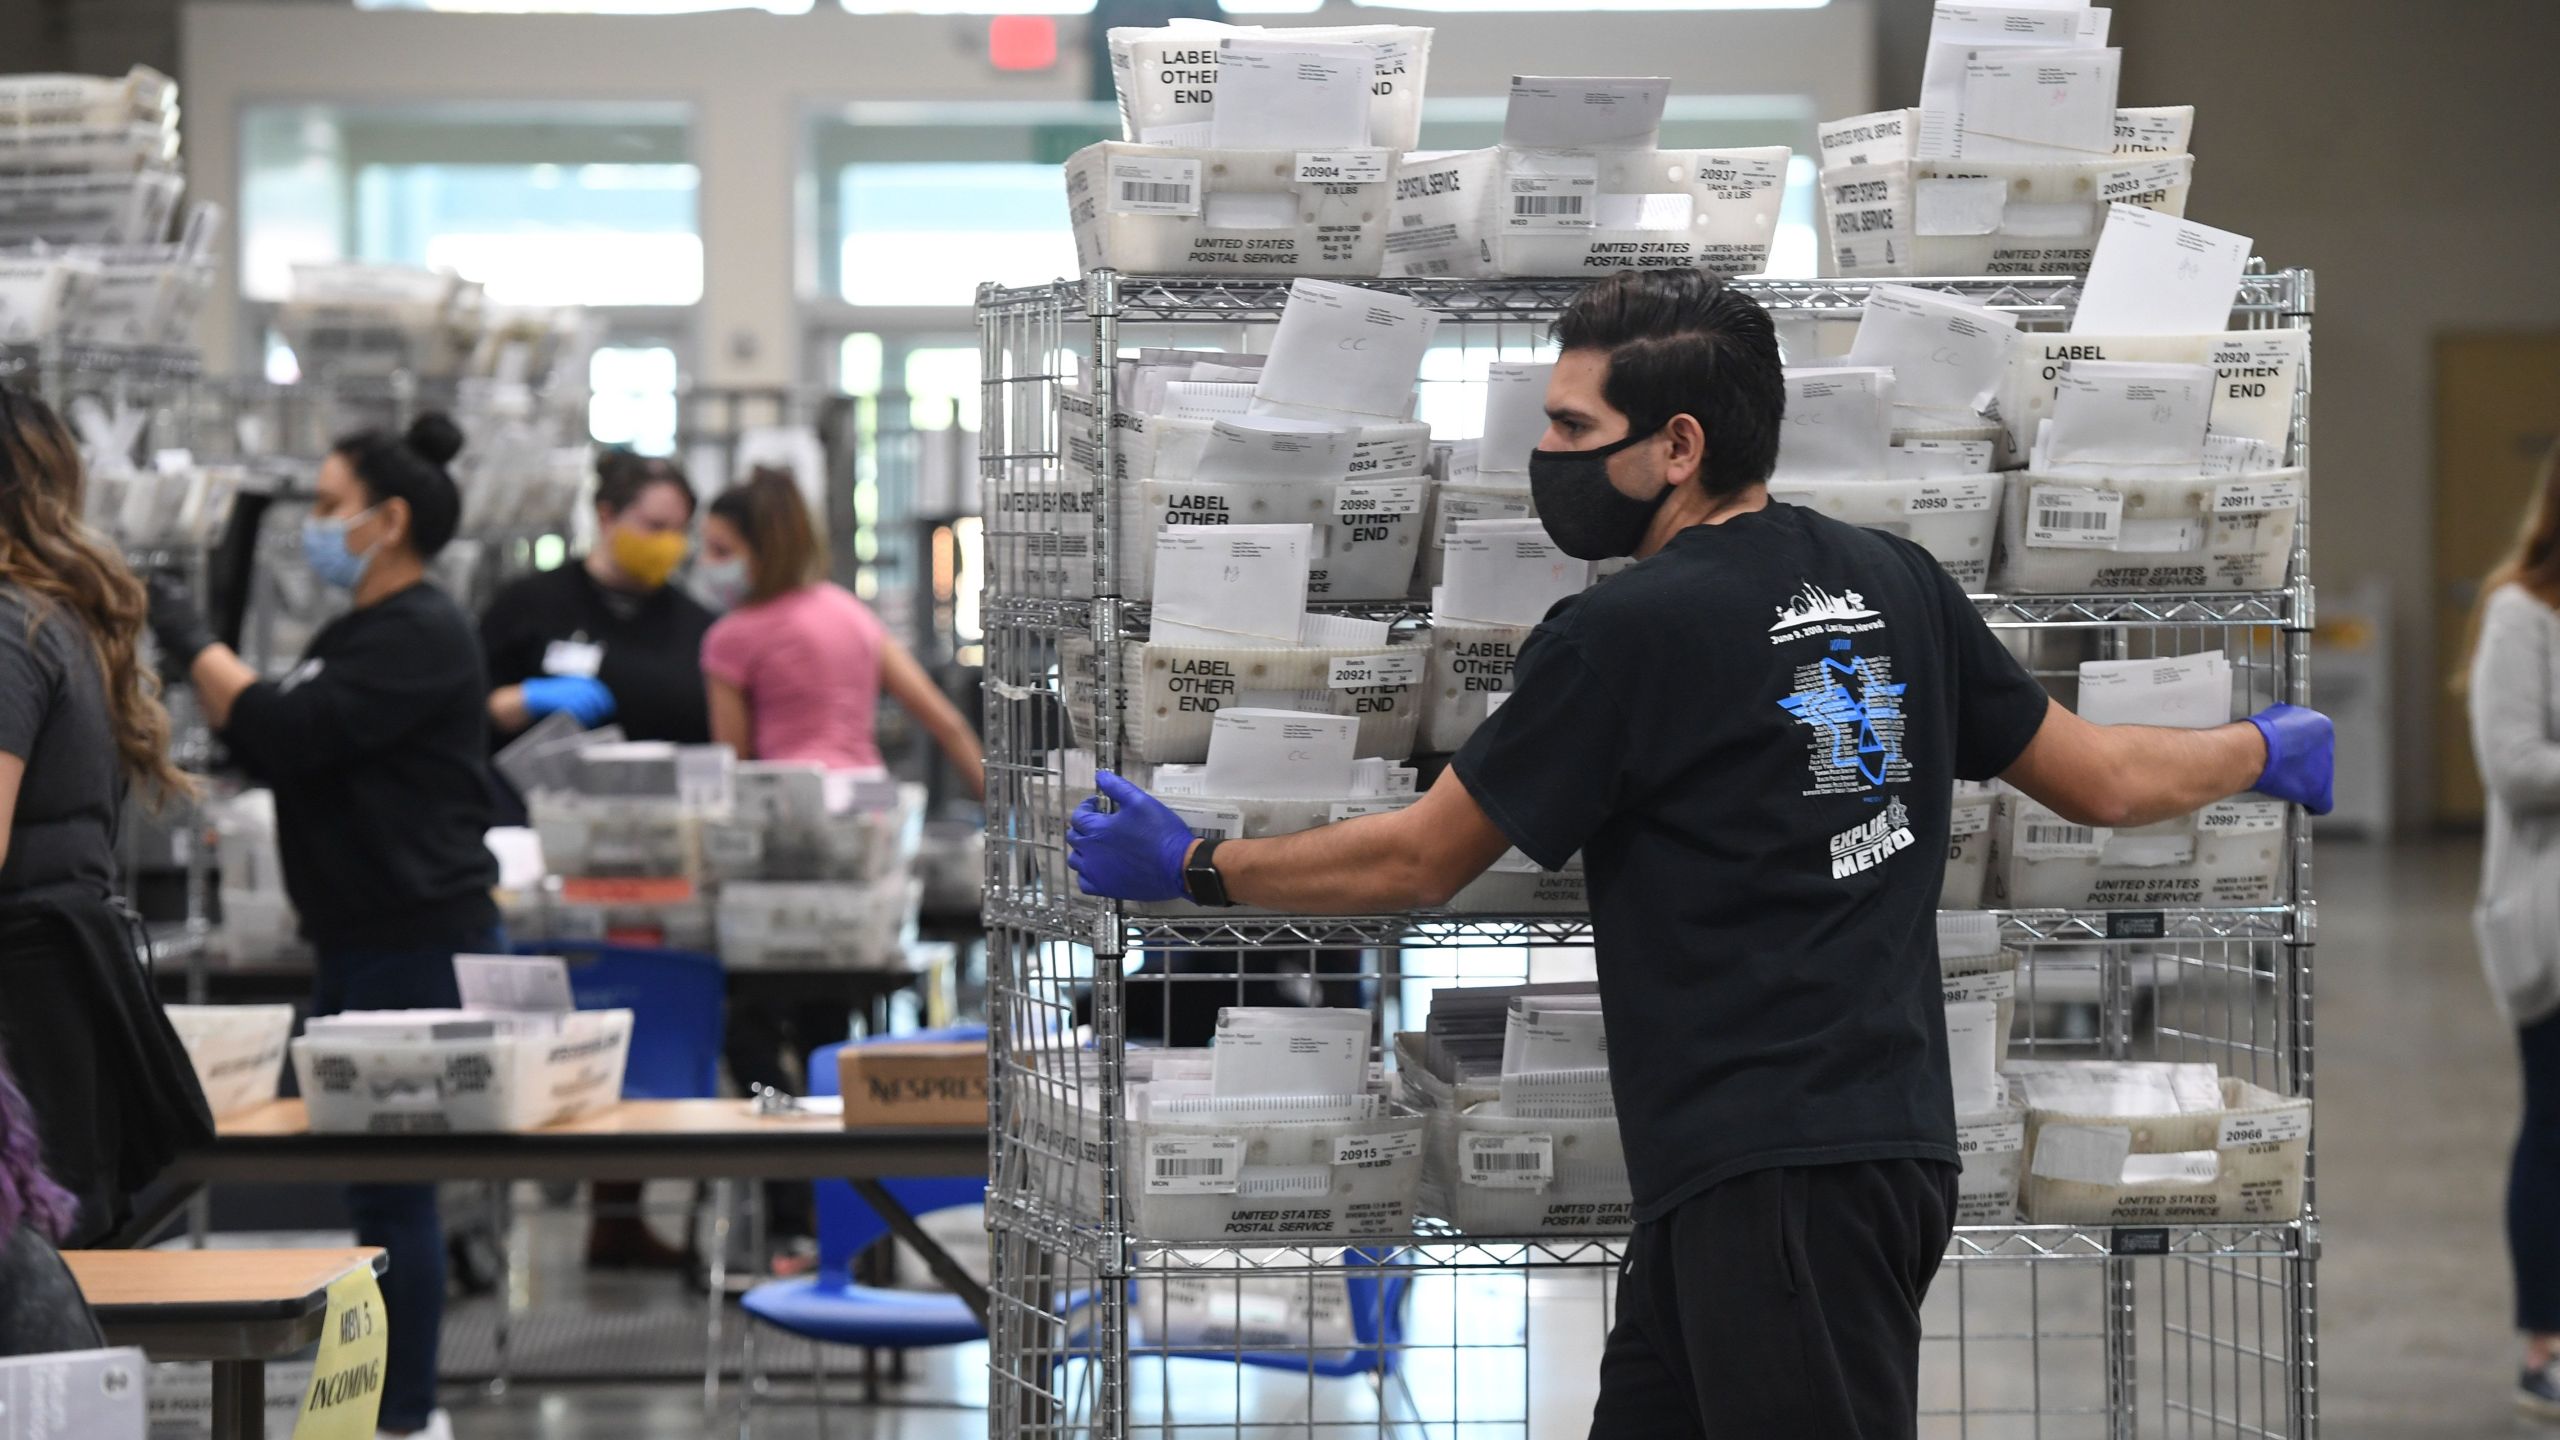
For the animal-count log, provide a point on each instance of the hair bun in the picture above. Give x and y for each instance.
(435, 437)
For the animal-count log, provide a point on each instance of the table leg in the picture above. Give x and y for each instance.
(717, 1286)
(239, 1400)
(936, 1259)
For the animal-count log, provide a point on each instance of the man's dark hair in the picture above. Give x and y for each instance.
(1682, 342)
(411, 466)
(623, 476)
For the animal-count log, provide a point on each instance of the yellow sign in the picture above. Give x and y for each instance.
(346, 1379)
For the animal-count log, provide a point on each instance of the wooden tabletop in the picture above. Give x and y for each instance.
(634, 1140)
(126, 1280)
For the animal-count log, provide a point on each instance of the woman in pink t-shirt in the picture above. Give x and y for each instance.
(796, 666)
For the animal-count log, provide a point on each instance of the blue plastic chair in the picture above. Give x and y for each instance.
(678, 1001)
(831, 1307)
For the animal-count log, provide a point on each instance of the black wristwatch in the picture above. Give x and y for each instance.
(1200, 878)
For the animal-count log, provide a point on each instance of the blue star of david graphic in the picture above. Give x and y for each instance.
(1850, 714)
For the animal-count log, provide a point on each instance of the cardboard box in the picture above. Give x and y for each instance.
(941, 1083)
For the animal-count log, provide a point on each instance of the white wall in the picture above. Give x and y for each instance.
(750, 78)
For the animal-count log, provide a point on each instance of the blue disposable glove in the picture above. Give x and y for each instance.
(2302, 757)
(1134, 852)
(583, 696)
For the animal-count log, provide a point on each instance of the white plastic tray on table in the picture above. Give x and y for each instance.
(494, 1084)
(820, 925)
(237, 1051)
(126, 209)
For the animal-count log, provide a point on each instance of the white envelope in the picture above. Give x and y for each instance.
(1278, 94)
(1550, 113)
(1837, 423)
(1230, 581)
(1945, 353)
(2154, 274)
(1346, 350)
(2129, 412)
(1505, 572)
(1280, 754)
(1253, 447)
(1515, 417)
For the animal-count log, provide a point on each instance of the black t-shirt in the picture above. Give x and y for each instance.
(652, 644)
(53, 716)
(1751, 737)
(377, 748)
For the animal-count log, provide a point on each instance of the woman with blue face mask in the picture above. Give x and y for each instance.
(376, 745)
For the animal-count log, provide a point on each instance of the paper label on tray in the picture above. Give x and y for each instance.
(1354, 809)
(1560, 201)
(2257, 497)
(1507, 1162)
(1377, 497)
(1991, 1139)
(1141, 186)
(2263, 1127)
(1372, 1149)
(1454, 508)
(1996, 986)
(1966, 820)
(1948, 500)
(1342, 167)
(1209, 822)
(2241, 817)
(2067, 518)
(2147, 184)
(1194, 1164)
(1394, 669)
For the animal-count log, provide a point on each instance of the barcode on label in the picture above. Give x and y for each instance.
(2086, 518)
(2071, 519)
(1521, 1162)
(1194, 1165)
(1546, 204)
(2074, 836)
(1155, 187)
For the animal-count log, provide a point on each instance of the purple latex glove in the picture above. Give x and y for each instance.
(2302, 757)
(1132, 852)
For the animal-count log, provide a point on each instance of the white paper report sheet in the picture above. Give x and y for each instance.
(1280, 754)
(1346, 350)
(1837, 424)
(2129, 411)
(1221, 582)
(1945, 353)
(1515, 417)
(2154, 274)
(1278, 95)
(1564, 113)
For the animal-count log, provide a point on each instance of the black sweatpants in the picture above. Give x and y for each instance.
(1780, 1305)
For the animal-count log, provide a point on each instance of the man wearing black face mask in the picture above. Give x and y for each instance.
(1750, 737)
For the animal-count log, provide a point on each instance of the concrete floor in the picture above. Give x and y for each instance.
(2416, 1086)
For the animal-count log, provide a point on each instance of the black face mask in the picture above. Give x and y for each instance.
(1587, 517)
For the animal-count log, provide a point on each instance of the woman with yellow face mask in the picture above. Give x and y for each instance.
(608, 639)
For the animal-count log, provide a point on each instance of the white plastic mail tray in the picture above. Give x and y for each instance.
(1967, 217)
(1493, 1174)
(586, 835)
(141, 93)
(1476, 213)
(1174, 693)
(2254, 378)
(1515, 887)
(237, 1051)
(2228, 854)
(1426, 1092)
(122, 209)
(39, 294)
(1170, 447)
(1231, 1180)
(1451, 502)
(1167, 78)
(1253, 819)
(1470, 665)
(96, 150)
(496, 1083)
(676, 924)
(817, 925)
(139, 302)
(1954, 518)
(2114, 536)
(1991, 1146)
(2241, 1162)
(1968, 847)
(1040, 530)
(1368, 534)
(1176, 210)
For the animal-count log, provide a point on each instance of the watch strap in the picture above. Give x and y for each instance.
(1200, 877)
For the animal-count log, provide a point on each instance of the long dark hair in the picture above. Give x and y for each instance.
(26, 1192)
(48, 552)
(767, 510)
(2533, 565)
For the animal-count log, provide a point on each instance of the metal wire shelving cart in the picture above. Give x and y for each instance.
(2037, 1332)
